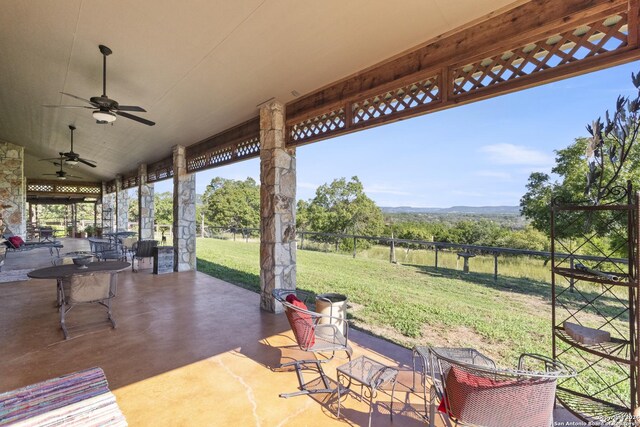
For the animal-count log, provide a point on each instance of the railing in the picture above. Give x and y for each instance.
(246, 233)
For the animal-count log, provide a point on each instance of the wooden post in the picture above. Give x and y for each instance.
(436, 257)
(571, 280)
(354, 246)
(495, 266)
(233, 229)
(392, 253)
(246, 235)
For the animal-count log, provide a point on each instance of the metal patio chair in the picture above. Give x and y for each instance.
(314, 332)
(106, 250)
(140, 250)
(471, 390)
(94, 288)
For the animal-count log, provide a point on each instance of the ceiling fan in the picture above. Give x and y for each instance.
(106, 109)
(71, 158)
(61, 174)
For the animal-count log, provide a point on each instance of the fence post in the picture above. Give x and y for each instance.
(392, 251)
(246, 235)
(571, 280)
(354, 246)
(234, 233)
(495, 266)
(436, 257)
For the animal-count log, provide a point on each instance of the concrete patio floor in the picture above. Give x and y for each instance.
(189, 350)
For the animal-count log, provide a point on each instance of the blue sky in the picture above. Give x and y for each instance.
(479, 154)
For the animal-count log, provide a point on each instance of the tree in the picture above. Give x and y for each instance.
(163, 208)
(232, 203)
(342, 207)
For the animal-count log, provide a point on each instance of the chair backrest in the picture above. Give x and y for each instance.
(89, 287)
(144, 248)
(476, 392)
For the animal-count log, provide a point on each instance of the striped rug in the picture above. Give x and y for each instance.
(78, 399)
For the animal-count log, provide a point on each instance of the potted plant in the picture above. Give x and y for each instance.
(90, 230)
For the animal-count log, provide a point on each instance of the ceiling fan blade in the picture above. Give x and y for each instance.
(136, 118)
(91, 163)
(68, 106)
(131, 108)
(77, 97)
(51, 159)
(72, 176)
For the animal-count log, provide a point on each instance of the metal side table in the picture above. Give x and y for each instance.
(370, 374)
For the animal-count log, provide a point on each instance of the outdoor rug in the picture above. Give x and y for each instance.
(78, 399)
(14, 275)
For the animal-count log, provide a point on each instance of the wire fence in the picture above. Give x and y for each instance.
(465, 251)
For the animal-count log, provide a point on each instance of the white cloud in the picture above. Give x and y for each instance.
(510, 154)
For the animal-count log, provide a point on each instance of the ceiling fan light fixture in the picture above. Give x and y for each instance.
(62, 177)
(71, 162)
(104, 116)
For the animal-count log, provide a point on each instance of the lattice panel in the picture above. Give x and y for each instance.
(324, 124)
(249, 148)
(160, 170)
(210, 159)
(43, 188)
(89, 190)
(586, 41)
(130, 182)
(110, 187)
(413, 96)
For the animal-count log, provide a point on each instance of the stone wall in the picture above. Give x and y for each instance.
(13, 197)
(122, 204)
(108, 212)
(184, 213)
(277, 207)
(146, 212)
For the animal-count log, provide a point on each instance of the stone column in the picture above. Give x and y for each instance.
(277, 207)
(122, 206)
(145, 205)
(108, 209)
(13, 195)
(184, 213)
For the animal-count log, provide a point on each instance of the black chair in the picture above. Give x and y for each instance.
(140, 250)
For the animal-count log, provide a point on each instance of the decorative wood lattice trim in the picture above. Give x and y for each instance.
(234, 144)
(53, 188)
(586, 41)
(412, 97)
(320, 126)
(162, 169)
(130, 180)
(110, 186)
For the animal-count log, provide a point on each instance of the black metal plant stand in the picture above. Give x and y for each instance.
(599, 293)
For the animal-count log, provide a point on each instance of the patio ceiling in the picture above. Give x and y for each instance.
(198, 68)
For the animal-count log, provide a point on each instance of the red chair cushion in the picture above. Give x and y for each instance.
(16, 241)
(301, 323)
(498, 401)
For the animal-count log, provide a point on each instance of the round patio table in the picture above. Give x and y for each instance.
(60, 271)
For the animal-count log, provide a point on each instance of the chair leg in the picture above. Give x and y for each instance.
(300, 365)
(63, 311)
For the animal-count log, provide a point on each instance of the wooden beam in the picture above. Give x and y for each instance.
(530, 20)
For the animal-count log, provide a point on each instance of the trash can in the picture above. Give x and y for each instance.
(333, 305)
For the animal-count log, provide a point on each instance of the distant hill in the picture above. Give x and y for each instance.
(475, 210)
